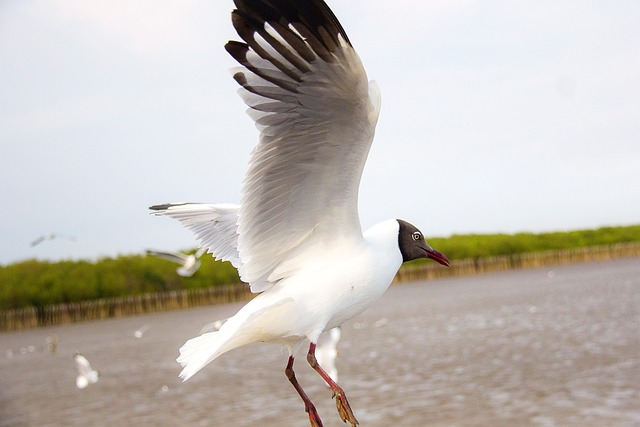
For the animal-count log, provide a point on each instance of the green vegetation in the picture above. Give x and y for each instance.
(485, 245)
(39, 283)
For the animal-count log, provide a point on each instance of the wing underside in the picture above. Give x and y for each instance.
(309, 96)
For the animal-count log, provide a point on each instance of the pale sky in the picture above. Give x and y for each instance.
(496, 117)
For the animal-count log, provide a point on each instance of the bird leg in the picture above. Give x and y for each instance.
(314, 418)
(344, 410)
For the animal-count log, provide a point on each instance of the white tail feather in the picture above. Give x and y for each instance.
(198, 352)
(243, 328)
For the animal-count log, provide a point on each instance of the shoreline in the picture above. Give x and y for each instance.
(60, 314)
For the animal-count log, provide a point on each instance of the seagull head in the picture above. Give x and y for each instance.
(413, 246)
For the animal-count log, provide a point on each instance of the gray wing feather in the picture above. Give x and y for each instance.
(215, 226)
(309, 96)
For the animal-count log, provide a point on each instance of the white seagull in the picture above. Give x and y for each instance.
(212, 326)
(86, 374)
(296, 237)
(189, 264)
(141, 330)
(327, 351)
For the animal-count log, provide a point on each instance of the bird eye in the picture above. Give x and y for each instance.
(417, 236)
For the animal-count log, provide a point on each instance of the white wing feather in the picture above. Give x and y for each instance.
(316, 113)
(215, 226)
(169, 256)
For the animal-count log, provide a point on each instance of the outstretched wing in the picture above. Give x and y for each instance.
(169, 256)
(309, 96)
(215, 226)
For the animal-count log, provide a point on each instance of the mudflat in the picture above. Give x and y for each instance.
(558, 346)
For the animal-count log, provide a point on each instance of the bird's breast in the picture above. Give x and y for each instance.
(344, 287)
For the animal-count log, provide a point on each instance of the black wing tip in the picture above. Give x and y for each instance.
(162, 207)
(312, 14)
(326, 16)
(241, 79)
(238, 51)
(166, 206)
(235, 46)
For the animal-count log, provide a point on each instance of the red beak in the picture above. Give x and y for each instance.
(438, 257)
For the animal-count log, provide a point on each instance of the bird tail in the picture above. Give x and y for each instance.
(196, 353)
(239, 330)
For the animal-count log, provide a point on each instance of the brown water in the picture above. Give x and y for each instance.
(543, 347)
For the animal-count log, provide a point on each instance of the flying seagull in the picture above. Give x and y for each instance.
(51, 236)
(296, 237)
(212, 326)
(327, 351)
(140, 331)
(86, 374)
(189, 264)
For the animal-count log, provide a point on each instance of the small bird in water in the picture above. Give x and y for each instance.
(86, 374)
(327, 351)
(296, 237)
(52, 343)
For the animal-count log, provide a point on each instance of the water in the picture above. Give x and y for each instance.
(541, 347)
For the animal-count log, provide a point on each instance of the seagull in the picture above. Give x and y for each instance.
(295, 236)
(140, 331)
(189, 264)
(86, 374)
(51, 236)
(327, 351)
(52, 343)
(212, 326)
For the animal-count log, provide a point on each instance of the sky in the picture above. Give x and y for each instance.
(496, 117)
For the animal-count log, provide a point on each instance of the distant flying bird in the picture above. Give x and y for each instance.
(51, 236)
(86, 374)
(212, 326)
(189, 264)
(140, 331)
(296, 236)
